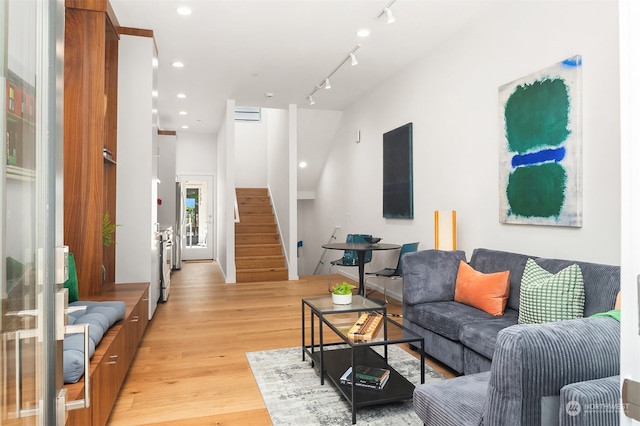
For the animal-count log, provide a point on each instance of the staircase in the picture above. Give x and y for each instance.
(258, 250)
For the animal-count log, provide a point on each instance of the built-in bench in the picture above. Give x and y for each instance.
(113, 355)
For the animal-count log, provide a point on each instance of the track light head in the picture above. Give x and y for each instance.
(354, 60)
(327, 85)
(390, 18)
(311, 101)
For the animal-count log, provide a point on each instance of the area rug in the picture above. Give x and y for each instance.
(293, 395)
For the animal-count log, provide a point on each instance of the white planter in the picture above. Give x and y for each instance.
(341, 299)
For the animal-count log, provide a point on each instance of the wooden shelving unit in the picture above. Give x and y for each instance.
(90, 125)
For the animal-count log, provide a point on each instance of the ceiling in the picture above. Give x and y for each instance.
(244, 49)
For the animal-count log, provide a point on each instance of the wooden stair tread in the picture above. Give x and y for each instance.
(258, 249)
(268, 269)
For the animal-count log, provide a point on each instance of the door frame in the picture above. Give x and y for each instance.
(629, 14)
(209, 252)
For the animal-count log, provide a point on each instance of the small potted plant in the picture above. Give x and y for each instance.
(341, 293)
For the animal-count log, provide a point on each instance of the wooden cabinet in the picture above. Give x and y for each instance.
(113, 356)
(90, 127)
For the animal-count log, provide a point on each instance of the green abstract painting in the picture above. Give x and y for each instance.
(540, 151)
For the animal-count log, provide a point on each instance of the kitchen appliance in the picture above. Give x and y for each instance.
(178, 228)
(166, 261)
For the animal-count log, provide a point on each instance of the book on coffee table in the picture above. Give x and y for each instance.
(367, 380)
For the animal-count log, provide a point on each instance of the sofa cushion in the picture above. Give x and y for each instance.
(481, 335)
(487, 292)
(592, 402)
(452, 402)
(489, 261)
(534, 361)
(445, 318)
(547, 297)
(601, 282)
(430, 275)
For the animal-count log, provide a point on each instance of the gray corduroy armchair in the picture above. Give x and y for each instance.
(541, 374)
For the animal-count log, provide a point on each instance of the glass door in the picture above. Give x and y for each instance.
(30, 375)
(197, 217)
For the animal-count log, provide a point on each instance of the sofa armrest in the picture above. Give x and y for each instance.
(590, 403)
(533, 362)
(430, 275)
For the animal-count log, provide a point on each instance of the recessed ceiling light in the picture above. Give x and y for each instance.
(363, 33)
(183, 113)
(184, 10)
(177, 64)
(303, 164)
(185, 127)
(181, 95)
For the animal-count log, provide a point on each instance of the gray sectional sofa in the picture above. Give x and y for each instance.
(528, 374)
(463, 337)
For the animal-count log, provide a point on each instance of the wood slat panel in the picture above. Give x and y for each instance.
(83, 132)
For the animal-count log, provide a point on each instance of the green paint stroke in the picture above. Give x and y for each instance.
(537, 191)
(537, 115)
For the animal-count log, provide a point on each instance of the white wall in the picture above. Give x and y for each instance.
(630, 136)
(316, 130)
(167, 146)
(451, 96)
(225, 194)
(196, 154)
(278, 173)
(250, 152)
(137, 189)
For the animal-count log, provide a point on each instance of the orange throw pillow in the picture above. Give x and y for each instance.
(488, 292)
(618, 302)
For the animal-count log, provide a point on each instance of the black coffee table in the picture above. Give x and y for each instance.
(336, 357)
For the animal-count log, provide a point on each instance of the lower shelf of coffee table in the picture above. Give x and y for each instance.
(337, 361)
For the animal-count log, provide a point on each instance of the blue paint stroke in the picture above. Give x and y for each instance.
(576, 61)
(539, 157)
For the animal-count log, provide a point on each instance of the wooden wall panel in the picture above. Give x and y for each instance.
(91, 103)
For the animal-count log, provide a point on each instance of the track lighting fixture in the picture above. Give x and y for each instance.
(325, 82)
(388, 13)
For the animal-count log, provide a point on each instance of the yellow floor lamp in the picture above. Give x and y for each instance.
(445, 230)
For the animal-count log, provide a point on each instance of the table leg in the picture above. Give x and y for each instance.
(361, 254)
(304, 348)
(321, 353)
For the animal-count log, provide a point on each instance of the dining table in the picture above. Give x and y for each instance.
(361, 249)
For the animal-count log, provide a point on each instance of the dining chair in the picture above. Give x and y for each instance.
(390, 274)
(350, 257)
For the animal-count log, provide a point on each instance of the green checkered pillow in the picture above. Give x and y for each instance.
(547, 297)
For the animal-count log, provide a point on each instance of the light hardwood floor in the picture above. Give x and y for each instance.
(191, 368)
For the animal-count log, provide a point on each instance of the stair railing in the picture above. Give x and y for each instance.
(321, 261)
(236, 211)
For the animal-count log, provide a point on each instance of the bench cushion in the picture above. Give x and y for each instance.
(100, 316)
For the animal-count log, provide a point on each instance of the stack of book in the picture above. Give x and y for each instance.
(367, 377)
